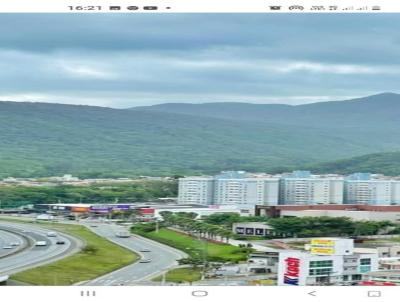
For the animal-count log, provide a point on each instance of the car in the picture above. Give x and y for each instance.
(94, 226)
(41, 243)
(145, 250)
(7, 247)
(14, 243)
(60, 242)
(51, 234)
(145, 261)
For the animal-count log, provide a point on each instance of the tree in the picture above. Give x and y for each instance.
(90, 249)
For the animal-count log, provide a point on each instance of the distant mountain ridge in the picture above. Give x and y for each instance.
(387, 163)
(385, 105)
(41, 139)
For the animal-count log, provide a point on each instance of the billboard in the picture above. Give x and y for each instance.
(147, 211)
(323, 242)
(102, 209)
(322, 251)
(79, 209)
(121, 207)
(322, 247)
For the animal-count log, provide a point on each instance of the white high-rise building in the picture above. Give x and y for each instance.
(360, 188)
(301, 187)
(196, 190)
(239, 188)
(232, 187)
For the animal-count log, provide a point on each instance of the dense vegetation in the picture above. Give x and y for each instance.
(328, 226)
(53, 139)
(387, 163)
(227, 219)
(221, 224)
(12, 196)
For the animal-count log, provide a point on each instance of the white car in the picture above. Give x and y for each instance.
(145, 261)
(7, 247)
(41, 243)
(15, 244)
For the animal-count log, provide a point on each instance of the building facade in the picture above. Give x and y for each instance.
(196, 190)
(360, 188)
(259, 229)
(330, 261)
(301, 187)
(232, 187)
(296, 188)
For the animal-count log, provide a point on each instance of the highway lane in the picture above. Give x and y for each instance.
(36, 255)
(6, 239)
(162, 258)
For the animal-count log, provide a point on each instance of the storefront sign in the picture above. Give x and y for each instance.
(292, 271)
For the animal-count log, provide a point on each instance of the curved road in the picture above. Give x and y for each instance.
(35, 255)
(162, 258)
(6, 239)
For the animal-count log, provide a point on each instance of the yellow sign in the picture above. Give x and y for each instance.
(322, 250)
(323, 242)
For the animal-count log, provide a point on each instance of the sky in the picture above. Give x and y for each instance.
(127, 60)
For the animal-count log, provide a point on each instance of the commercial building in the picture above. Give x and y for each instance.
(301, 187)
(361, 188)
(329, 261)
(353, 211)
(142, 210)
(263, 262)
(382, 278)
(231, 187)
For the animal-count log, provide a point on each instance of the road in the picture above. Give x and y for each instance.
(6, 238)
(162, 258)
(34, 255)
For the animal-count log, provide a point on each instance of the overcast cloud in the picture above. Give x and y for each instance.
(123, 60)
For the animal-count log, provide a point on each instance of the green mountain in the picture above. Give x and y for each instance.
(40, 139)
(376, 110)
(387, 163)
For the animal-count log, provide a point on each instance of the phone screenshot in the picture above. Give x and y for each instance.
(199, 150)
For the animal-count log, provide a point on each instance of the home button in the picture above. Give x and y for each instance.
(199, 293)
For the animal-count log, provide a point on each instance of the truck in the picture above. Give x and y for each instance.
(123, 234)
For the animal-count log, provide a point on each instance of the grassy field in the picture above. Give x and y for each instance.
(184, 274)
(82, 265)
(195, 248)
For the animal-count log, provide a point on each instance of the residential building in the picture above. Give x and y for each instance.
(231, 187)
(361, 188)
(241, 188)
(196, 190)
(301, 187)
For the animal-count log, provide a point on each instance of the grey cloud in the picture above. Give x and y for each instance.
(125, 60)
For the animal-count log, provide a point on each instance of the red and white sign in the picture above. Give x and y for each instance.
(292, 271)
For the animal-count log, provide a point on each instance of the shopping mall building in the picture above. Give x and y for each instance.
(327, 261)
